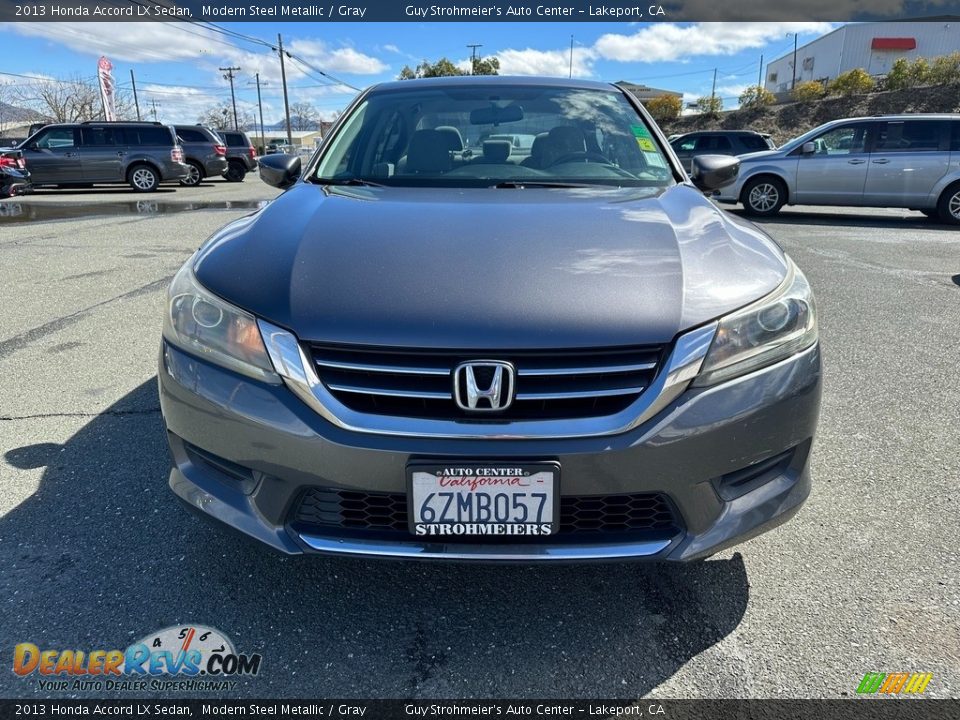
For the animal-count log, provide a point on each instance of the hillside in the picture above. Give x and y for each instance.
(787, 121)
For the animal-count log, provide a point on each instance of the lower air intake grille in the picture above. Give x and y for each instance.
(579, 514)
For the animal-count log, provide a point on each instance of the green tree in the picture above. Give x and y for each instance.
(807, 91)
(664, 107)
(708, 105)
(446, 68)
(756, 96)
(486, 66)
(853, 82)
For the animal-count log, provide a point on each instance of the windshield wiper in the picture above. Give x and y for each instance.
(509, 184)
(351, 182)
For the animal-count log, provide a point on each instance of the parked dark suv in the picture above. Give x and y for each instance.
(203, 151)
(241, 155)
(720, 142)
(141, 154)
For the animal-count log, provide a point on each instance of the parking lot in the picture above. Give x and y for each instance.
(98, 553)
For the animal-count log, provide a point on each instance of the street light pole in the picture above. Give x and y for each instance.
(793, 84)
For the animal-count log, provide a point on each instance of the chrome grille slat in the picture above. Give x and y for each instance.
(606, 369)
(421, 394)
(580, 394)
(397, 369)
(549, 384)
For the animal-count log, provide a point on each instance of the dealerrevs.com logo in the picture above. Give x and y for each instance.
(190, 658)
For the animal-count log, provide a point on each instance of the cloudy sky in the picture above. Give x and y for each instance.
(176, 64)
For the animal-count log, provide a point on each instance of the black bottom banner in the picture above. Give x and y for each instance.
(849, 709)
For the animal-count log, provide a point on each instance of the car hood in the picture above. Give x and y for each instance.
(759, 155)
(490, 268)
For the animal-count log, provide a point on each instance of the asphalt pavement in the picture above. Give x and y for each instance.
(96, 553)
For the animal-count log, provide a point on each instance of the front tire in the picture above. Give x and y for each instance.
(763, 196)
(143, 178)
(194, 175)
(948, 208)
(235, 172)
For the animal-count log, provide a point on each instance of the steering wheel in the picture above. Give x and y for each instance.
(586, 156)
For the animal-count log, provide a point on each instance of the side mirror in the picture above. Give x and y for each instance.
(280, 171)
(808, 148)
(712, 172)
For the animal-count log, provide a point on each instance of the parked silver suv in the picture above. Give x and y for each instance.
(908, 161)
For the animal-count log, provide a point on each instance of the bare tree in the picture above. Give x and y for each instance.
(220, 117)
(304, 116)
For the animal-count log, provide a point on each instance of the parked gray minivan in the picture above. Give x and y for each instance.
(906, 161)
(141, 154)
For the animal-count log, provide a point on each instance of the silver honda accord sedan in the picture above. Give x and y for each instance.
(492, 319)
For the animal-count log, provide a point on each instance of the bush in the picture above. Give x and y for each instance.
(919, 73)
(899, 76)
(708, 105)
(945, 69)
(665, 107)
(807, 91)
(756, 96)
(854, 82)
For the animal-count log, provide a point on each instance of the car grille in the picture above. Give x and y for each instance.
(549, 385)
(579, 514)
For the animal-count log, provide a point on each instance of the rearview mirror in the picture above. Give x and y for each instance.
(808, 148)
(280, 171)
(494, 115)
(712, 172)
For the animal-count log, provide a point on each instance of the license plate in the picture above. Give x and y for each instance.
(495, 500)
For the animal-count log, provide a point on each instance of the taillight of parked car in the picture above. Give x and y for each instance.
(253, 152)
(176, 154)
(220, 149)
(12, 162)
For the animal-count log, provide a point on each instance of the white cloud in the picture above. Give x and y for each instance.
(131, 42)
(546, 62)
(391, 48)
(337, 60)
(670, 42)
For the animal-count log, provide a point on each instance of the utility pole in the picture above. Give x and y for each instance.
(233, 98)
(571, 57)
(286, 102)
(760, 72)
(473, 57)
(153, 105)
(713, 91)
(133, 81)
(263, 132)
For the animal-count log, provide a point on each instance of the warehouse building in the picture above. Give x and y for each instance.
(873, 46)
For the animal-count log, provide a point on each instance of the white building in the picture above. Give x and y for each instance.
(873, 46)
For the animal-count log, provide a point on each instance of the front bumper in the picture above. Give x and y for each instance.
(698, 452)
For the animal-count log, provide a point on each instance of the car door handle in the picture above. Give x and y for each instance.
(881, 161)
(120, 153)
(69, 154)
(856, 161)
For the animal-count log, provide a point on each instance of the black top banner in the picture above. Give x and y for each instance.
(473, 10)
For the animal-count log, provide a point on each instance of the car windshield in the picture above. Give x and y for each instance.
(495, 134)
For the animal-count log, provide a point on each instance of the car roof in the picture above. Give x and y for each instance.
(472, 80)
(722, 132)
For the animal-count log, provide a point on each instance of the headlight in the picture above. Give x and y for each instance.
(769, 330)
(201, 323)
